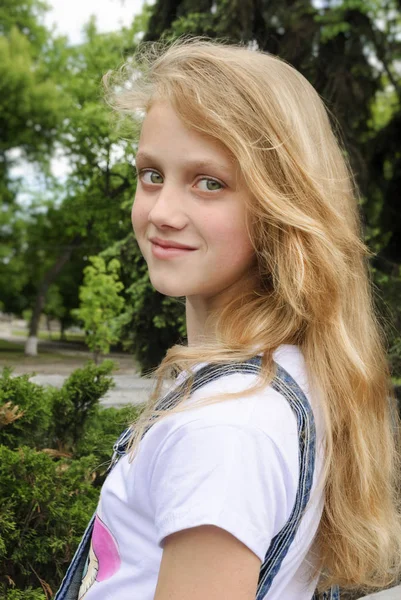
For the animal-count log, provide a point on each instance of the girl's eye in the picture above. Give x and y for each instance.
(209, 185)
(151, 177)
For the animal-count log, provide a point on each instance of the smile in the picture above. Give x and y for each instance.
(163, 250)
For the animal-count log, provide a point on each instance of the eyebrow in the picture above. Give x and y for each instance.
(190, 164)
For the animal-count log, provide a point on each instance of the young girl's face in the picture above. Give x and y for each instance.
(189, 210)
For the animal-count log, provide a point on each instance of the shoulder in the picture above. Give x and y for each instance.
(233, 463)
(265, 410)
(230, 476)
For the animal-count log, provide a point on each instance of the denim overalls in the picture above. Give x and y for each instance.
(285, 385)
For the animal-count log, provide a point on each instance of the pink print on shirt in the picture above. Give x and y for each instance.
(103, 559)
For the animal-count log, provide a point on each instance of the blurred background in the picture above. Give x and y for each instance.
(66, 176)
(73, 284)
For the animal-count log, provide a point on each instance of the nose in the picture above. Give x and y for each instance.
(168, 209)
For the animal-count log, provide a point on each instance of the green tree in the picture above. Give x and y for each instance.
(150, 322)
(56, 232)
(31, 111)
(31, 104)
(101, 304)
(26, 16)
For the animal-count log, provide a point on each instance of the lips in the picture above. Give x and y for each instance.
(170, 244)
(169, 250)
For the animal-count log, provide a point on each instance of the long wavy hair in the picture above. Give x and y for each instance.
(311, 286)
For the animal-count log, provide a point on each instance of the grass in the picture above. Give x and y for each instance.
(54, 336)
(6, 346)
(13, 353)
(50, 360)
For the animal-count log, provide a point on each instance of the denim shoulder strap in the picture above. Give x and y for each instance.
(284, 384)
(287, 387)
(71, 583)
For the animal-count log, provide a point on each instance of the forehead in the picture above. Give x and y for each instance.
(163, 132)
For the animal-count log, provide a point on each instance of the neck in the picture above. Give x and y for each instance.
(200, 326)
(196, 315)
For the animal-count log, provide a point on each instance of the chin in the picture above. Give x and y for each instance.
(167, 288)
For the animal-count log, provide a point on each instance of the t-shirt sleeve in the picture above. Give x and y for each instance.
(230, 476)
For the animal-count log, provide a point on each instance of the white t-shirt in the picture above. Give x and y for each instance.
(233, 464)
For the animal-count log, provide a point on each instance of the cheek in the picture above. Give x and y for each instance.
(230, 239)
(230, 230)
(139, 215)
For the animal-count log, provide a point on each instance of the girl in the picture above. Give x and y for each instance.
(270, 466)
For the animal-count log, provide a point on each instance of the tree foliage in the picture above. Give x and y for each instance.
(48, 241)
(31, 112)
(101, 304)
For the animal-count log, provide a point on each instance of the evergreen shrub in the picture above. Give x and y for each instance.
(55, 446)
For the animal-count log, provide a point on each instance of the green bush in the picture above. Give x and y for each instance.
(19, 395)
(101, 434)
(28, 594)
(77, 402)
(45, 506)
(55, 446)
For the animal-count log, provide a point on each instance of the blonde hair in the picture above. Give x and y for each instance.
(312, 286)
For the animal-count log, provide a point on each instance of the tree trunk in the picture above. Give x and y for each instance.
(63, 336)
(49, 327)
(31, 346)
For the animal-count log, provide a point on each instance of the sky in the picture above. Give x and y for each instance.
(70, 16)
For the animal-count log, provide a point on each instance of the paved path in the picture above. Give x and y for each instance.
(129, 389)
(393, 594)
